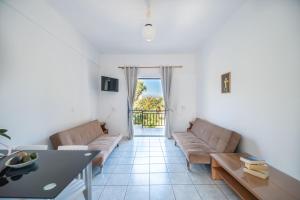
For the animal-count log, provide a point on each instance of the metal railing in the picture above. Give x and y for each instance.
(148, 118)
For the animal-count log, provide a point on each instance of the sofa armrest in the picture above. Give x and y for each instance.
(104, 129)
(56, 141)
(190, 126)
(191, 123)
(60, 139)
(233, 143)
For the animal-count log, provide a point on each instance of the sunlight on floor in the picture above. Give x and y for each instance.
(139, 131)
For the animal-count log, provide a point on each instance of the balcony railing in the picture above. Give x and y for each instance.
(149, 118)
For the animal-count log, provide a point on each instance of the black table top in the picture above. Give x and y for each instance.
(59, 167)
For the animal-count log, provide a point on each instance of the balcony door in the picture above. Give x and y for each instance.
(149, 109)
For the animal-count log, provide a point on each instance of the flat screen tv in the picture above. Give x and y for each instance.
(109, 84)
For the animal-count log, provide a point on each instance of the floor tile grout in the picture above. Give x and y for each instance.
(161, 149)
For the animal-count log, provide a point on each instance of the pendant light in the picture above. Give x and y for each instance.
(149, 32)
(148, 29)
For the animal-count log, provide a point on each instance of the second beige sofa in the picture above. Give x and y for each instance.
(203, 138)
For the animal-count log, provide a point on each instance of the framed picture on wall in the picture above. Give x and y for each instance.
(226, 83)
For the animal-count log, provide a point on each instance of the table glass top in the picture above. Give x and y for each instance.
(57, 168)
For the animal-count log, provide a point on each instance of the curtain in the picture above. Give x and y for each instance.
(166, 81)
(131, 80)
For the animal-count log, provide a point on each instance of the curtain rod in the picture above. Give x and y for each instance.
(147, 67)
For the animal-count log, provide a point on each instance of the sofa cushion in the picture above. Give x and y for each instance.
(197, 156)
(101, 144)
(233, 142)
(204, 138)
(79, 135)
(183, 136)
(219, 138)
(216, 137)
(199, 128)
(193, 146)
(106, 143)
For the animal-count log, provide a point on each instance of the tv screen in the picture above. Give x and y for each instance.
(109, 84)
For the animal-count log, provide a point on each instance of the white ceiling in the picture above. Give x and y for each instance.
(115, 26)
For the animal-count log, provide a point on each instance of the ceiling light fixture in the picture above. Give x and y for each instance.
(148, 29)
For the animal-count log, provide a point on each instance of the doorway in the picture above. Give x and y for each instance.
(149, 109)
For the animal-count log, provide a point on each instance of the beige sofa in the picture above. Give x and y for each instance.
(90, 134)
(203, 138)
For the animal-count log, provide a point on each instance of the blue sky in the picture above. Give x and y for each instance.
(153, 87)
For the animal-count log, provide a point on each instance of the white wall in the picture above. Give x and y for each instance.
(113, 106)
(48, 79)
(260, 46)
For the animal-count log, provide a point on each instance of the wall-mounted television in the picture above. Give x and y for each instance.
(109, 84)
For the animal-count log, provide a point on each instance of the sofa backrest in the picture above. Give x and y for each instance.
(217, 138)
(199, 129)
(80, 135)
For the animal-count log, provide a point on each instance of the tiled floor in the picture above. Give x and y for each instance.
(153, 168)
(140, 131)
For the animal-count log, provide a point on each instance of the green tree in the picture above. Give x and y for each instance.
(149, 103)
(149, 111)
(140, 88)
(151, 106)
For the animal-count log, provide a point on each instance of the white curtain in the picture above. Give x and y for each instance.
(166, 81)
(131, 80)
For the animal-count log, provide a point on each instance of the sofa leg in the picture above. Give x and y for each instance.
(175, 143)
(118, 145)
(188, 165)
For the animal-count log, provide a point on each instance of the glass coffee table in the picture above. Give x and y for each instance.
(47, 178)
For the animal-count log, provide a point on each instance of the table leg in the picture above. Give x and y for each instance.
(214, 173)
(88, 182)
